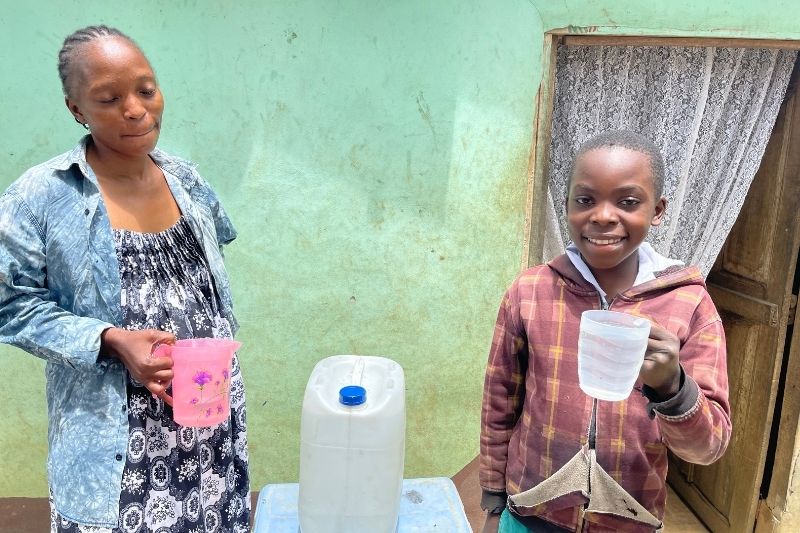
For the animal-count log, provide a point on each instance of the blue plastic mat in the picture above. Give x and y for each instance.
(427, 505)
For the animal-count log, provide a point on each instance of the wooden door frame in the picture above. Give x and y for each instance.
(774, 504)
(771, 508)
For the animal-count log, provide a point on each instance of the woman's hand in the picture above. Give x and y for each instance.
(135, 350)
(492, 523)
(661, 368)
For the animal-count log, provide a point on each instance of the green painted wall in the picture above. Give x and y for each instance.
(373, 156)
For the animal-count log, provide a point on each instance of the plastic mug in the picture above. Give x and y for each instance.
(201, 379)
(611, 349)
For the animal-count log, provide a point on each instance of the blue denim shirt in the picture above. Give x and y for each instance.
(59, 289)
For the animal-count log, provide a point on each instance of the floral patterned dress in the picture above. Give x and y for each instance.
(176, 478)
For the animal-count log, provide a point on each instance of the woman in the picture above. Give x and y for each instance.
(105, 251)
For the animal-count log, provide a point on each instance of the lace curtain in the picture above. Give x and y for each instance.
(709, 110)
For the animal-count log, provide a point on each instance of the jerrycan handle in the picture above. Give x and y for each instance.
(358, 372)
(162, 350)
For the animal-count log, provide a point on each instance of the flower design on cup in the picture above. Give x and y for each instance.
(211, 389)
(201, 378)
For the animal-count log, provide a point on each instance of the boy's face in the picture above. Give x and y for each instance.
(611, 206)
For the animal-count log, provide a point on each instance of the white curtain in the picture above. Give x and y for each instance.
(709, 110)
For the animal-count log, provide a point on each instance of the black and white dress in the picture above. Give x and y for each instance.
(176, 479)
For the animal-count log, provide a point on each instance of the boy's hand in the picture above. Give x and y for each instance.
(661, 368)
(492, 523)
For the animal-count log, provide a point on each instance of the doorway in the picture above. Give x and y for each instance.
(754, 283)
(754, 287)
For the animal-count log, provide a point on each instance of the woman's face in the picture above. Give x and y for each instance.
(114, 91)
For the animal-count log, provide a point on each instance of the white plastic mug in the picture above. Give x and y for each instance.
(611, 349)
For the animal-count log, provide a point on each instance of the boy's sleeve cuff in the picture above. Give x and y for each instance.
(680, 404)
(493, 502)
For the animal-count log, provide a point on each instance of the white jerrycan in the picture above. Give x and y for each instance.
(352, 446)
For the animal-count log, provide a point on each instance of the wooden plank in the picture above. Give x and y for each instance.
(789, 196)
(714, 520)
(24, 515)
(755, 325)
(633, 40)
(784, 466)
(743, 305)
(744, 250)
(720, 277)
(469, 490)
(539, 161)
(731, 485)
(529, 241)
(766, 522)
(678, 517)
(32, 515)
(786, 458)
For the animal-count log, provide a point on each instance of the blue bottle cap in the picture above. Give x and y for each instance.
(352, 395)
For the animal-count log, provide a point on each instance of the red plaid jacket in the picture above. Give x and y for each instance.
(535, 417)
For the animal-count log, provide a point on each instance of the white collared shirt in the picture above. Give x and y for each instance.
(650, 262)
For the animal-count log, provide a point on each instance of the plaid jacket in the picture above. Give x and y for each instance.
(535, 417)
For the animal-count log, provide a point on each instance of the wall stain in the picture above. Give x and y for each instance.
(578, 29)
(508, 196)
(608, 16)
(290, 36)
(354, 160)
(425, 112)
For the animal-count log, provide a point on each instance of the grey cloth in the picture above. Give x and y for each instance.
(581, 475)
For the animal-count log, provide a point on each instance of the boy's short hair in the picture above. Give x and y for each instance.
(632, 141)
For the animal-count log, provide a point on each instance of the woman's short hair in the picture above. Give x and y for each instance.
(70, 50)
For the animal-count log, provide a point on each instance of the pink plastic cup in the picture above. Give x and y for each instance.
(202, 379)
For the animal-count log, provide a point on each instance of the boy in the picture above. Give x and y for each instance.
(535, 417)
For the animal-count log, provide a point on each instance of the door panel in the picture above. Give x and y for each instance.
(751, 286)
(744, 251)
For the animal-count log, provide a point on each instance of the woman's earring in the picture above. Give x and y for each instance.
(85, 125)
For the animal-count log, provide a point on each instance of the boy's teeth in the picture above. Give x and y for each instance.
(603, 241)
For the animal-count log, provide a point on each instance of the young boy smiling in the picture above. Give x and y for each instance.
(535, 416)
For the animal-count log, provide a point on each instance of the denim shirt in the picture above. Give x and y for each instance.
(60, 288)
